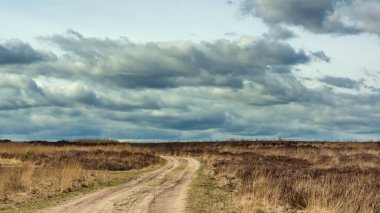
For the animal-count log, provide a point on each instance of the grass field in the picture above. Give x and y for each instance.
(33, 171)
(277, 176)
(257, 176)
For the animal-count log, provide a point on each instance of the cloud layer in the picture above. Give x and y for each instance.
(97, 87)
(323, 16)
(221, 63)
(17, 52)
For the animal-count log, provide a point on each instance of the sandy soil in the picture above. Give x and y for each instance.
(163, 190)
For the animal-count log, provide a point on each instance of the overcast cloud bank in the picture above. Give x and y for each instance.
(176, 90)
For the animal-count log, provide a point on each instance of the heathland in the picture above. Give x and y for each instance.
(235, 176)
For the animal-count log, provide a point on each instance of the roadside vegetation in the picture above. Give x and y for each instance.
(278, 176)
(30, 172)
(206, 194)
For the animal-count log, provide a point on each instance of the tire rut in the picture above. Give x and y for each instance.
(141, 194)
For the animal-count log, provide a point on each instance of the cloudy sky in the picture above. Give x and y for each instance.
(186, 70)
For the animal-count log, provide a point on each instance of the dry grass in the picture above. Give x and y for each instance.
(235, 176)
(284, 176)
(70, 172)
(31, 171)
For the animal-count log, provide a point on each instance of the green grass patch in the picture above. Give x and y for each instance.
(204, 195)
(27, 155)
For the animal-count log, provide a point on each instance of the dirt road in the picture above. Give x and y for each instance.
(163, 190)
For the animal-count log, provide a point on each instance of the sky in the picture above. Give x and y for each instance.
(190, 70)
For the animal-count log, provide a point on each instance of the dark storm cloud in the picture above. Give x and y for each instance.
(317, 16)
(19, 91)
(200, 120)
(221, 63)
(285, 89)
(17, 52)
(341, 82)
(324, 16)
(50, 123)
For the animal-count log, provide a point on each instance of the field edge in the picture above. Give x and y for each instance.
(118, 178)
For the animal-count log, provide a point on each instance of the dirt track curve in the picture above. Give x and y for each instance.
(163, 190)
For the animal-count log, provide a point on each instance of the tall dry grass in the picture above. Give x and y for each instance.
(31, 171)
(70, 173)
(280, 176)
(302, 179)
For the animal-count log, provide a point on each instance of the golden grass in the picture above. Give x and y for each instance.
(303, 179)
(235, 176)
(283, 176)
(70, 172)
(33, 171)
(114, 178)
